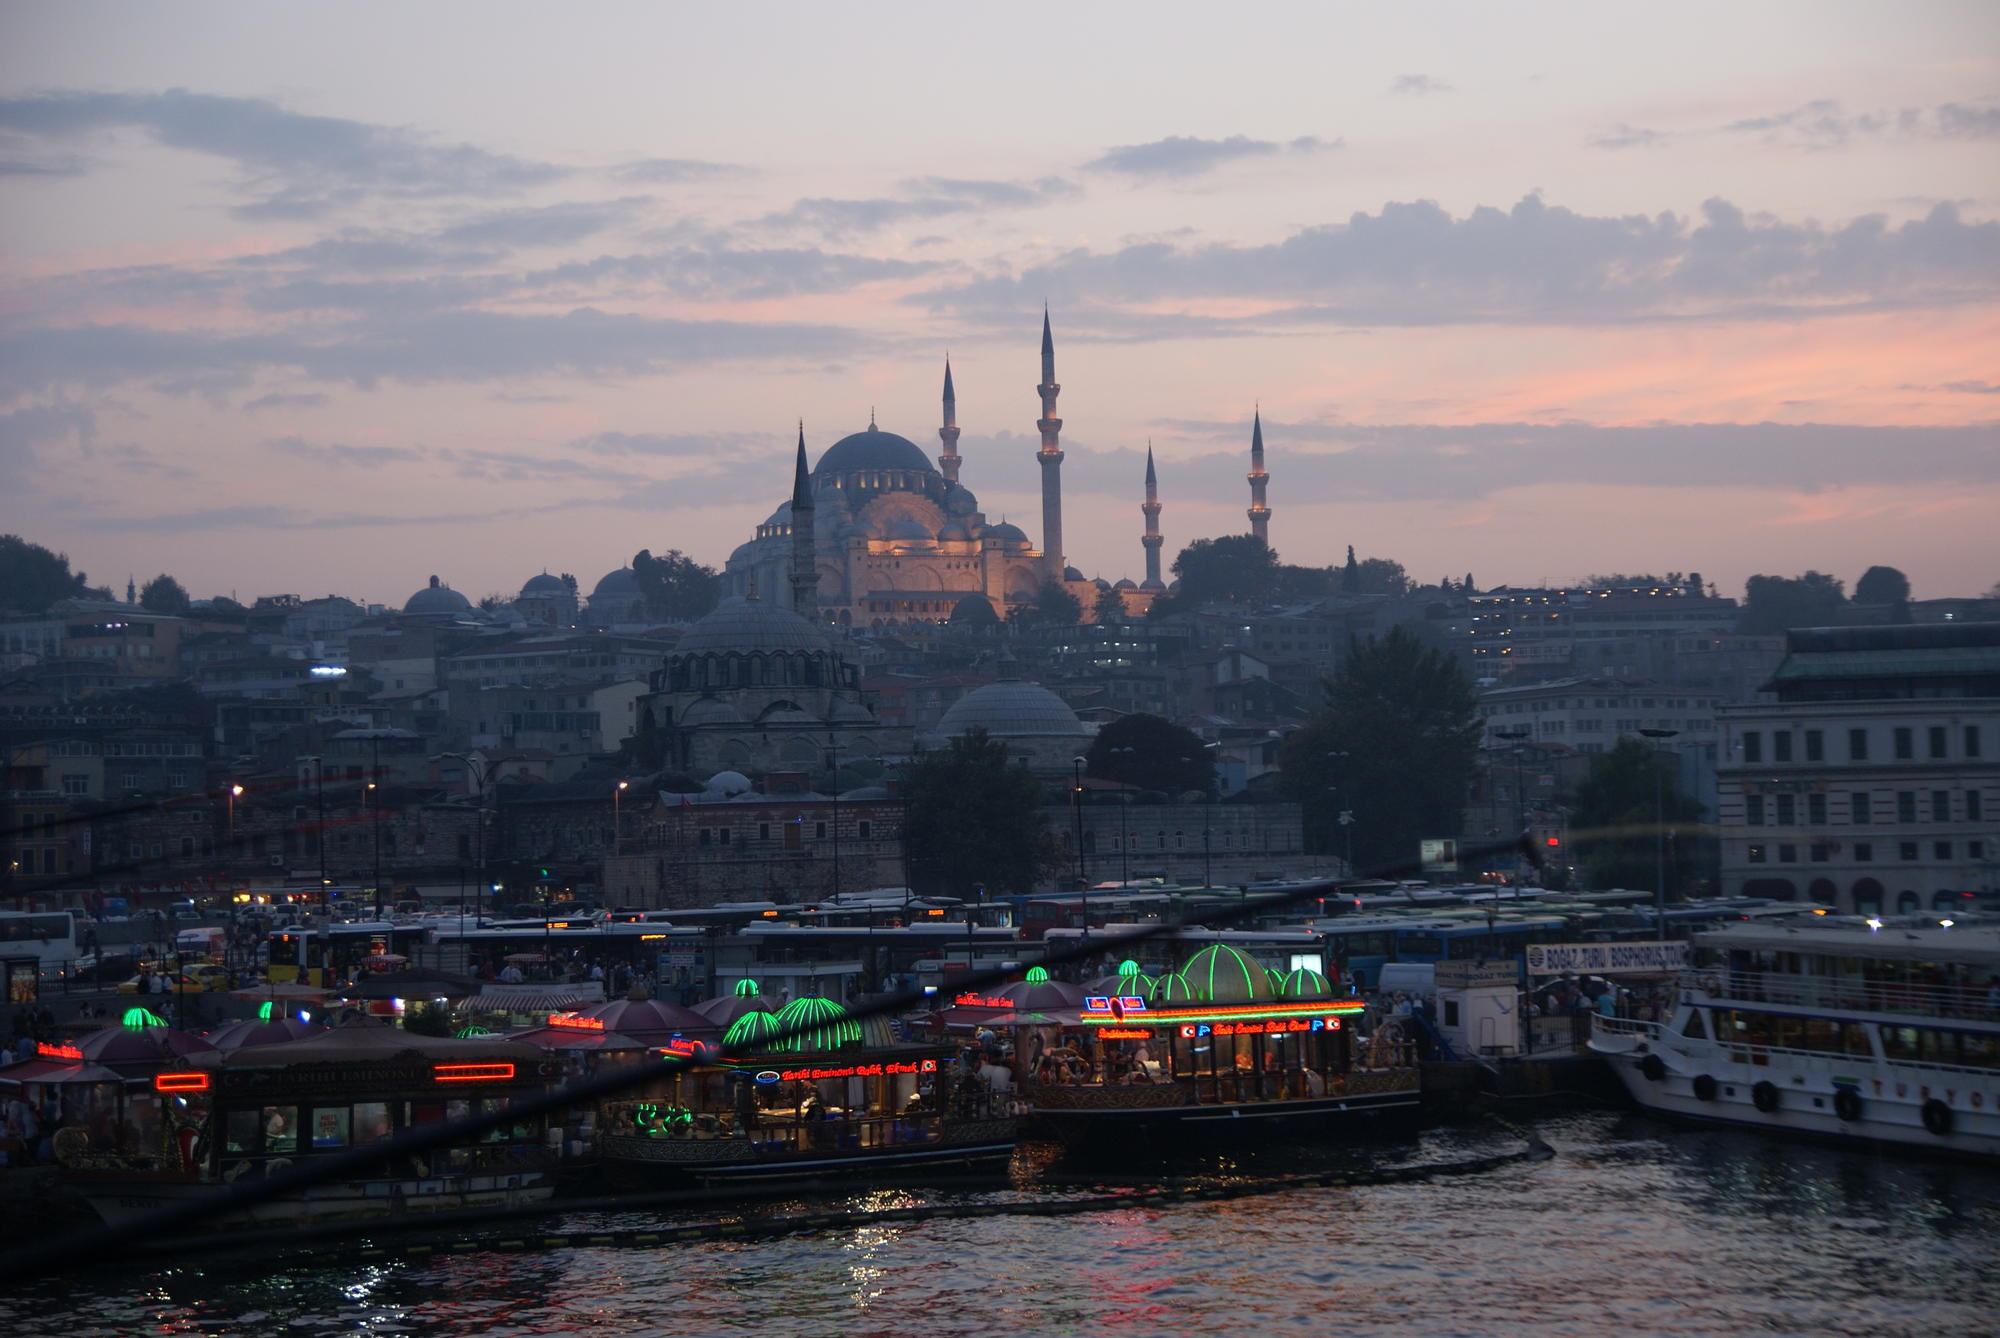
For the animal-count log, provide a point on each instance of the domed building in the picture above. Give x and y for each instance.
(1036, 726)
(549, 600)
(615, 600)
(753, 686)
(436, 600)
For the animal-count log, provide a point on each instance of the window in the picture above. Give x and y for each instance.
(1781, 745)
(281, 1128)
(704, 836)
(1753, 746)
(723, 834)
(864, 828)
(1941, 850)
(1816, 809)
(1906, 747)
(1972, 806)
(1788, 810)
(1857, 745)
(75, 784)
(1937, 742)
(1864, 852)
(1906, 805)
(1756, 854)
(1815, 745)
(1975, 850)
(819, 831)
(763, 831)
(1940, 805)
(1906, 850)
(330, 1125)
(1788, 854)
(1753, 810)
(1818, 854)
(1972, 740)
(1858, 804)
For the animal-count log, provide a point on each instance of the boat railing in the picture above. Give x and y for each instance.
(1638, 1027)
(1846, 994)
(786, 1130)
(1837, 1061)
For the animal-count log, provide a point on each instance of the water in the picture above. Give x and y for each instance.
(1634, 1228)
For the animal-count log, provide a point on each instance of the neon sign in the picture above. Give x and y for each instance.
(970, 1000)
(1253, 1012)
(852, 1071)
(576, 1022)
(1116, 1006)
(1125, 1033)
(44, 1050)
(471, 1072)
(684, 1046)
(767, 1077)
(1271, 1027)
(180, 1082)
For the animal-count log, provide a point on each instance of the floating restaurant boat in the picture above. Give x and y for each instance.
(1879, 1032)
(805, 1092)
(1222, 1045)
(223, 1118)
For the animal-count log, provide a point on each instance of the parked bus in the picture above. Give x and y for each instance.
(35, 946)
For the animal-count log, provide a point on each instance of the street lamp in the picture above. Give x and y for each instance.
(1659, 829)
(375, 825)
(1082, 869)
(618, 817)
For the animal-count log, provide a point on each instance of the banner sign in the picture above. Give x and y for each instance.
(1605, 959)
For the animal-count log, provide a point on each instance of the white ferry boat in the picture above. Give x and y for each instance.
(1879, 1032)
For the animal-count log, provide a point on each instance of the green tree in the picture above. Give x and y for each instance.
(1773, 604)
(1150, 752)
(1616, 815)
(32, 578)
(971, 818)
(1234, 569)
(1109, 608)
(1881, 585)
(1350, 574)
(1395, 745)
(675, 586)
(163, 594)
(1380, 576)
(1054, 606)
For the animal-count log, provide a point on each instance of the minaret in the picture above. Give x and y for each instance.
(1051, 458)
(948, 434)
(805, 561)
(1151, 510)
(1260, 514)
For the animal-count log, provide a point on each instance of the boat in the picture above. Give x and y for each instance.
(805, 1092)
(1222, 1047)
(1877, 1032)
(222, 1118)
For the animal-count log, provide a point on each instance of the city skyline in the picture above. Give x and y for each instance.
(1529, 301)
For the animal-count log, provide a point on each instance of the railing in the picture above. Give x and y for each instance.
(792, 1131)
(1744, 1052)
(1842, 994)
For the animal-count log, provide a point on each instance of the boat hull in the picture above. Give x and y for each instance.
(965, 1145)
(1138, 1121)
(340, 1201)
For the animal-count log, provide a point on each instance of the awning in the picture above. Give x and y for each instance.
(524, 1001)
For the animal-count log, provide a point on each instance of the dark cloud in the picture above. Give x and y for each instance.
(296, 166)
(431, 347)
(1188, 156)
(921, 198)
(1317, 462)
(1418, 85)
(671, 171)
(1822, 125)
(337, 455)
(1972, 387)
(731, 273)
(368, 252)
(278, 400)
(1415, 264)
(549, 225)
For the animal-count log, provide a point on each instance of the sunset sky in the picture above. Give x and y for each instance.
(326, 298)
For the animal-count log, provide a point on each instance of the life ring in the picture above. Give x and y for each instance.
(1704, 1087)
(1937, 1117)
(1653, 1067)
(1847, 1104)
(1764, 1096)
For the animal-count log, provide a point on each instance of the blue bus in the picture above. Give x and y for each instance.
(1474, 939)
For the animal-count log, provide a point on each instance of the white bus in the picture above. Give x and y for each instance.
(35, 946)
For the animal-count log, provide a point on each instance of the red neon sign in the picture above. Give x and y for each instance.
(180, 1082)
(471, 1072)
(852, 1071)
(682, 1045)
(576, 1021)
(1125, 1033)
(44, 1050)
(983, 1001)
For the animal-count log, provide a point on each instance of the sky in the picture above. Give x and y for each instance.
(329, 298)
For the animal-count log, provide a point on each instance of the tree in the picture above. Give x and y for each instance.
(1350, 574)
(1881, 585)
(675, 586)
(1055, 606)
(1395, 745)
(1614, 824)
(32, 578)
(1772, 604)
(1380, 576)
(1151, 753)
(163, 594)
(1109, 608)
(972, 817)
(1234, 569)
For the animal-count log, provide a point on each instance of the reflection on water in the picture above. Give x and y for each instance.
(1635, 1228)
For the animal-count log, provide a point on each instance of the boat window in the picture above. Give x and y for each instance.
(281, 1128)
(330, 1126)
(1938, 1047)
(1979, 1051)
(241, 1132)
(1899, 1043)
(426, 1112)
(371, 1121)
(1695, 1026)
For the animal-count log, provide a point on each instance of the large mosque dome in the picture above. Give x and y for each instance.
(873, 449)
(1011, 708)
(747, 627)
(437, 598)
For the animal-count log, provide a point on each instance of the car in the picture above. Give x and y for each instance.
(206, 978)
(95, 969)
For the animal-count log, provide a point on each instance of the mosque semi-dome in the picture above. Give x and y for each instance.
(1006, 533)
(437, 598)
(873, 449)
(621, 582)
(1125, 583)
(1011, 708)
(544, 584)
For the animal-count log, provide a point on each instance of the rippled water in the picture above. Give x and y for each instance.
(1634, 1228)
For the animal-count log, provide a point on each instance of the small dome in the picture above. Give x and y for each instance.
(1072, 574)
(1221, 974)
(1011, 708)
(817, 1024)
(437, 598)
(1006, 533)
(1173, 988)
(873, 449)
(910, 529)
(1126, 584)
(974, 611)
(959, 501)
(1305, 983)
(621, 582)
(954, 529)
(544, 584)
(748, 625)
(729, 783)
(752, 1029)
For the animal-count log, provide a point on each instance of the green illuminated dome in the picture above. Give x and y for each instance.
(1036, 975)
(816, 1024)
(1276, 977)
(1221, 974)
(745, 988)
(1174, 988)
(751, 1030)
(1305, 983)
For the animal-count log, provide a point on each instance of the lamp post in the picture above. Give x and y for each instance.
(833, 761)
(1514, 737)
(477, 768)
(1082, 868)
(618, 817)
(1659, 828)
(371, 791)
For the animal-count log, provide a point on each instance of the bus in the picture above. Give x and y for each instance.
(1358, 946)
(319, 956)
(1504, 937)
(35, 945)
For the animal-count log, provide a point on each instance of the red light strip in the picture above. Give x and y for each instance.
(180, 1082)
(471, 1072)
(1155, 1017)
